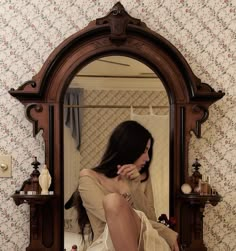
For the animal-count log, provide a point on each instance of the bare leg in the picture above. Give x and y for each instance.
(123, 223)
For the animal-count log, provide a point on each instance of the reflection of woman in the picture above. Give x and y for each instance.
(116, 196)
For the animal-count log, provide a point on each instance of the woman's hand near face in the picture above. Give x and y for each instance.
(128, 171)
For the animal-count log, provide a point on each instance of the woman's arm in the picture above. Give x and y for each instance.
(141, 192)
(143, 200)
(92, 196)
(142, 196)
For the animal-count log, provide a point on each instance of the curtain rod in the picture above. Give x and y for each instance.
(115, 76)
(113, 106)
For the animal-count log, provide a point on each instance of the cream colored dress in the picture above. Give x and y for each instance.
(153, 236)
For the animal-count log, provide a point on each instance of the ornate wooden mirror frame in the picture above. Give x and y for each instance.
(115, 34)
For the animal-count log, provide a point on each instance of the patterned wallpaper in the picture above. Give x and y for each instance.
(203, 31)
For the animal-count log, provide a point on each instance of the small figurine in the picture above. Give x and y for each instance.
(74, 248)
(44, 180)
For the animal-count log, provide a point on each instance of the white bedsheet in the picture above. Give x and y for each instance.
(71, 239)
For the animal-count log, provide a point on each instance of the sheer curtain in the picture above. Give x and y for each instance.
(72, 140)
(158, 125)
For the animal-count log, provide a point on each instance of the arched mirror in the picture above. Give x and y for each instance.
(104, 93)
(113, 38)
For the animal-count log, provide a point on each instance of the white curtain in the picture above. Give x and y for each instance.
(158, 125)
(71, 177)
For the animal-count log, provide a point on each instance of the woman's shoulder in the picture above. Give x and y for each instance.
(88, 177)
(86, 172)
(89, 174)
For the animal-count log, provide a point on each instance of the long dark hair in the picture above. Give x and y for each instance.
(126, 144)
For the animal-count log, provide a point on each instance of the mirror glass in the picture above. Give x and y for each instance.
(101, 95)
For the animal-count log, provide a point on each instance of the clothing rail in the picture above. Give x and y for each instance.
(114, 106)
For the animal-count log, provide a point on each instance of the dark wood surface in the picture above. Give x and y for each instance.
(194, 198)
(189, 98)
(36, 199)
(41, 220)
(191, 215)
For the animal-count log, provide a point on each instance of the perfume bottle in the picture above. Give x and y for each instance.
(213, 191)
(197, 188)
(208, 184)
(204, 186)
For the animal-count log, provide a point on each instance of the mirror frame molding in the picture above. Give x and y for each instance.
(115, 34)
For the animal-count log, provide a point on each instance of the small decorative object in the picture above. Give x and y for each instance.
(196, 177)
(197, 189)
(31, 192)
(186, 188)
(44, 180)
(213, 190)
(32, 183)
(164, 220)
(204, 186)
(74, 248)
(208, 184)
(35, 175)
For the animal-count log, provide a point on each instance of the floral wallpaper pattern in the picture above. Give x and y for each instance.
(203, 31)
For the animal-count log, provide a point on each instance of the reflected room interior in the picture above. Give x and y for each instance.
(106, 92)
(129, 91)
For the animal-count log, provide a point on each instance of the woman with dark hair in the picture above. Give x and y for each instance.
(115, 198)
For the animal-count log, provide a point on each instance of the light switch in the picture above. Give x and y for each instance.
(5, 166)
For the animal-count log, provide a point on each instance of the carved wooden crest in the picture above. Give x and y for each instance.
(118, 20)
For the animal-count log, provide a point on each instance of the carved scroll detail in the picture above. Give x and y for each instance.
(205, 114)
(32, 83)
(37, 108)
(118, 20)
(206, 90)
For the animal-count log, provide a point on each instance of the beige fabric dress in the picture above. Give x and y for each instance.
(153, 236)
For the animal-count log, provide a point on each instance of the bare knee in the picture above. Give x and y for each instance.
(114, 203)
(119, 213)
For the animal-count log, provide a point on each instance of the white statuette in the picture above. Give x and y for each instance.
(45, 180)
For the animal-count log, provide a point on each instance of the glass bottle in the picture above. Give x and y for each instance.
(204, 186)
(208, 185)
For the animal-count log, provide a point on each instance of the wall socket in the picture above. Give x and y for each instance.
(5, 166)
